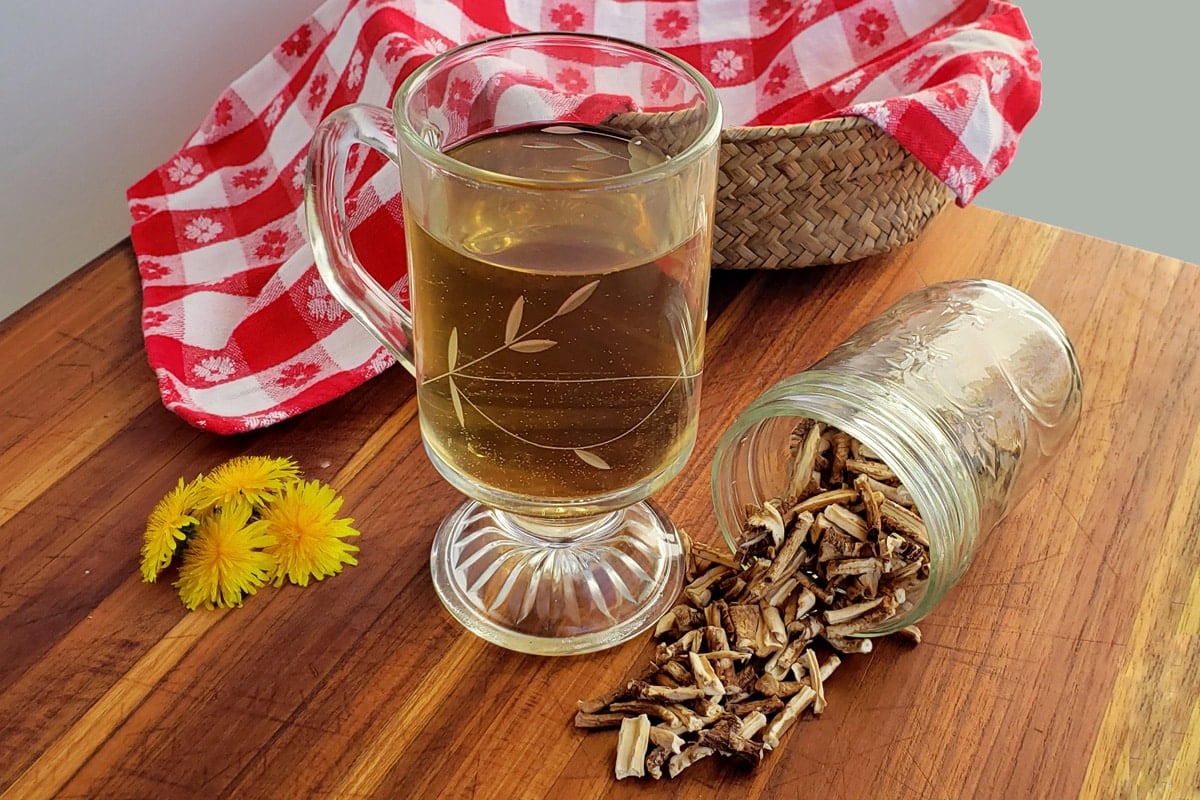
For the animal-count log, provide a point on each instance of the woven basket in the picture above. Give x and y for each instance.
(826, 192)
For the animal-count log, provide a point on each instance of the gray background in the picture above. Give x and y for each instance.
(1115, 149)
(98, 93)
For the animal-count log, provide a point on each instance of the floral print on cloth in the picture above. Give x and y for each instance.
(241, 332)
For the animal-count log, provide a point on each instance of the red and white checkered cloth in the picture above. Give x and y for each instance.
(241, 331)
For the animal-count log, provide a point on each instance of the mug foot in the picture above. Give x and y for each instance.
(558, 587)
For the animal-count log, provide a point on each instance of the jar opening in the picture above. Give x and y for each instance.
(752, 467)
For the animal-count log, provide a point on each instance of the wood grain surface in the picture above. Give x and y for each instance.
(1066, 663)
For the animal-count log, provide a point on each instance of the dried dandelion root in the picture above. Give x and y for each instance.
(758, 632)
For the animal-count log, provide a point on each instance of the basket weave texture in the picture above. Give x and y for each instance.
(826, 192)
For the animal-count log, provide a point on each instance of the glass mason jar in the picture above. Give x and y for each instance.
(965, 389)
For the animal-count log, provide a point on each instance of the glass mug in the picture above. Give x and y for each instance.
(558, 198)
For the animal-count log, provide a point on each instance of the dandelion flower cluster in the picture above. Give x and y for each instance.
(250, 522)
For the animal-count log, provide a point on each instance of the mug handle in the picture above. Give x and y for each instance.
(329, 231)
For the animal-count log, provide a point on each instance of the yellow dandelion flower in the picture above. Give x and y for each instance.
(308, 535)
(255, 479)
(226, 559)
(165, 527)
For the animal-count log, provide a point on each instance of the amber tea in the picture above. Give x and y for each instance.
(561, 339)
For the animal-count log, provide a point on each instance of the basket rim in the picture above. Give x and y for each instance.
(745, 133)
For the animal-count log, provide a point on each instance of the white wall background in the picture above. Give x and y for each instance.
(97, 93)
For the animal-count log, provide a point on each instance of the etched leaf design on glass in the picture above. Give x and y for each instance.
(514, 320)
(637, 154)
(577, 298)
(521, 342)
(591, 459)
(457, 401)
(532, 345)
(598, 153)
(591, 146)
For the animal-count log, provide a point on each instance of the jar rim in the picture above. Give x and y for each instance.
(907, 439)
